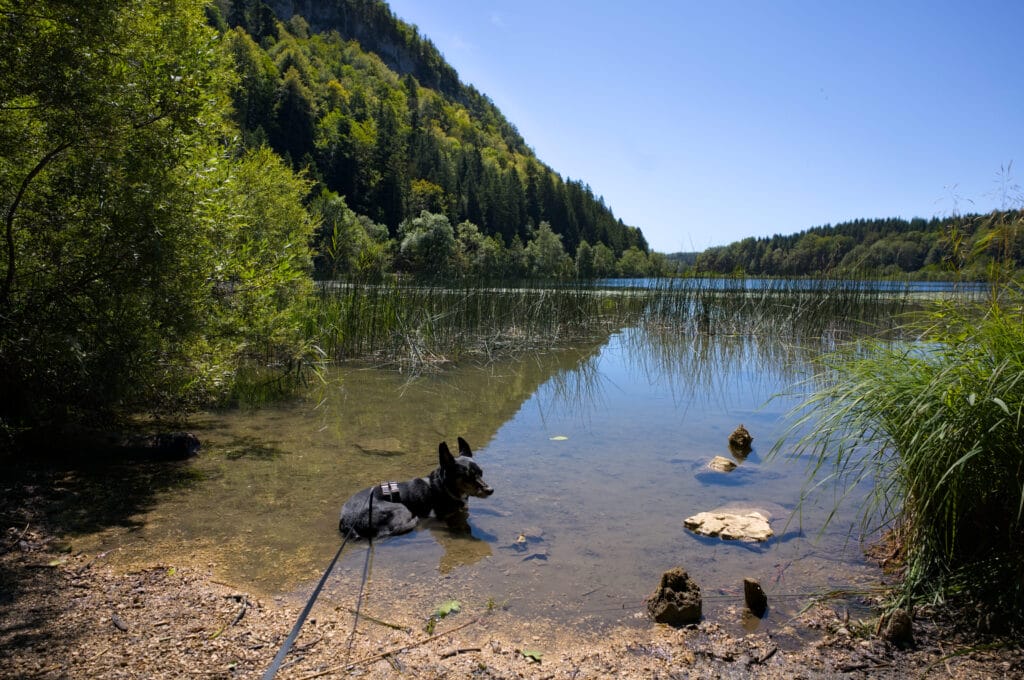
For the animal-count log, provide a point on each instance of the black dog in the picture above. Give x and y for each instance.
(396, 507)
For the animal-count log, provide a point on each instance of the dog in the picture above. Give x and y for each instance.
(394, 508)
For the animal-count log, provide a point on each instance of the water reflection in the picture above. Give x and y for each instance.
(597, 453)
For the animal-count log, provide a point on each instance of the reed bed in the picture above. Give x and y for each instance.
(935, 428)
(418, 326)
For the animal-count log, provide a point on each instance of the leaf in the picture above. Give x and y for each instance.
(971, 398)
(532, 655)
(446, 608)
(558, 438)
(1001, 404)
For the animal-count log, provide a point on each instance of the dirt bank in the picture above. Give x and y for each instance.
(66, 615)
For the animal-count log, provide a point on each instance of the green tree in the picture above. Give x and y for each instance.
(428, 245)
(604, 261)
(545, 254)
(584, 261)
(125, 283)
(634, 263)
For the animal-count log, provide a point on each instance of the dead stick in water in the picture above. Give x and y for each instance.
(378, 621)
(390, 652)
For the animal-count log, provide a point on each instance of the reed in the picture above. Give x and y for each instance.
(418, 326)
(936, 427)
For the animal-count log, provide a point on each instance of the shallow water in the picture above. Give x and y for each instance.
(596, 454)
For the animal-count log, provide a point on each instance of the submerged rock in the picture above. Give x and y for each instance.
(722, 464)
(677, 600)
(742, 524)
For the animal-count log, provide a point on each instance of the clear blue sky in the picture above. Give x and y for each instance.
(703, 122)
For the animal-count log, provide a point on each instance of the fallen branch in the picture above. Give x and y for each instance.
(462, 650)
(238, 617)
(395, 626)
(764, 657)
(10, 546)
(382, 655)
(308, 645)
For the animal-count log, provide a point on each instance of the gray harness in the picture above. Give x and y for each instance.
(390, 492)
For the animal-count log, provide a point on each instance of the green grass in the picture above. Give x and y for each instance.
(936, 427)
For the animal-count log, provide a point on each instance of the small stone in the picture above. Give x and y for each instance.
(899, 629)
(722, 464)
(757, 601)
(677, 600)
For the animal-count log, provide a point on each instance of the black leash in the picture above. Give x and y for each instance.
(290, 640)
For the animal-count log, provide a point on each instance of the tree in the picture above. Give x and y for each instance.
(117, 243)
(584, 261)
(604, 261)
(428, 245)
(545, 254)
(634, 263)
(348, 245)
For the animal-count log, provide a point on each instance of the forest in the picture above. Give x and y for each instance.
(414, 171)
(963, 246)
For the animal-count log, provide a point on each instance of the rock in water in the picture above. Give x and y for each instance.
(722, 464)
(740, 440)
(677, 600)
(757, 601)
(743, 525)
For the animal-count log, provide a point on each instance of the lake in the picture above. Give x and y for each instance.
(596, 453)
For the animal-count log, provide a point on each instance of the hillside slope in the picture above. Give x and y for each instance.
(348, 90)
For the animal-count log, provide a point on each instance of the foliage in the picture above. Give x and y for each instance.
(959, 246)
(141, 258)
(380, 118)
(937, 428)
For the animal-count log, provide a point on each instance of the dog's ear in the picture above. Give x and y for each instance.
(464, 449)
(445, 456)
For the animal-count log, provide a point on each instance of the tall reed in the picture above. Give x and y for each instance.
(416, 325)
(936, 426)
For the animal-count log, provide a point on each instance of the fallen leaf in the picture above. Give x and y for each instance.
(532, 654)
(449, 607)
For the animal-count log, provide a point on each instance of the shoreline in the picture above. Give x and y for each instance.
(71, 615)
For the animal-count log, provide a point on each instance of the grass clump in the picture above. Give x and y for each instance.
(936, 426)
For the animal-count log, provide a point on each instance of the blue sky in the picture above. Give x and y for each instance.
(706, 122)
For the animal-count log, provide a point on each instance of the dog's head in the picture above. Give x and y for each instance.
(461, 474)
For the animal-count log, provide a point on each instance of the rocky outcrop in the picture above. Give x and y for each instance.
(677, 600)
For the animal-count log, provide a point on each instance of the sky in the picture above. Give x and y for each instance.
(705, 122)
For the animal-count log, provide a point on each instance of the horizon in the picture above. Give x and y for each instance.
(704, 124)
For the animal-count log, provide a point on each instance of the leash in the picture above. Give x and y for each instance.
(275, 665)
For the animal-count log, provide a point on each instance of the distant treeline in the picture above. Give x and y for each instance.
(964, 246)
(370, 108)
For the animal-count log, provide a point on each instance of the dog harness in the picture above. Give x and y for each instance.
(390, 491)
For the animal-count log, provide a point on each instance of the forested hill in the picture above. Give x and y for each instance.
(372, 109)
(939, 247)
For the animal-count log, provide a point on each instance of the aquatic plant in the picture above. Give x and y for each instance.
(936, 426)
(414, 325)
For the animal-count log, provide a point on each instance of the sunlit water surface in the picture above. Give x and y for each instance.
(597, 454)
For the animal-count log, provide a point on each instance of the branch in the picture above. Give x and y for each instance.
(5, 292)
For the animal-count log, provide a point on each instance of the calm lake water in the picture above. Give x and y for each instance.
(597, 453)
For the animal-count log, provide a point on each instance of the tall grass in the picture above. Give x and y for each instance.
(418, 326)
(936, 426)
